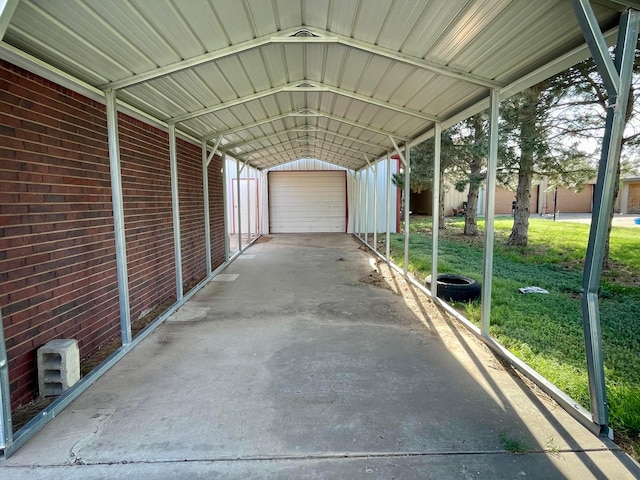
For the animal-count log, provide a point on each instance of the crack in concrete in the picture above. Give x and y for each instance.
(74, 451)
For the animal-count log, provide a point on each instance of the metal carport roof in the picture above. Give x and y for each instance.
(287, 79)
(344, 81)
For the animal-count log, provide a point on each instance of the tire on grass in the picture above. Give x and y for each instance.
(457, 288)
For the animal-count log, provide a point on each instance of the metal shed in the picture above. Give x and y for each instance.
(350, 82)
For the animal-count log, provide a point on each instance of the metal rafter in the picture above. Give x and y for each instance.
(231, 146)
(236, 101)
(313, 113)
(306, 113)
(306, 152)
(352, 139)
(7, 7)
(303, 86)
(289, 36)
(247, 126)
(306, 139)
(304, 129)
(192, 62)
(322, 36)
(376, 102)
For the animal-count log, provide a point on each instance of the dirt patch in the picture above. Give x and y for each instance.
(376, 279)
(23, 414)
(263, 239)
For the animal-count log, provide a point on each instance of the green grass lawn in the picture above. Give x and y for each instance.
(546, 330)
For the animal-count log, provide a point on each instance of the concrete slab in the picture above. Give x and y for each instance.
(317, 362)
(226, 277)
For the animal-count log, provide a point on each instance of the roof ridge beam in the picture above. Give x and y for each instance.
(323, 36)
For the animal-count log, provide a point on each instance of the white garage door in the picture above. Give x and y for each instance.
(307, 202)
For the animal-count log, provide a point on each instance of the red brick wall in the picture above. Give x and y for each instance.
(194, 264)
(146, 188)
(57, 253)
(216, 211)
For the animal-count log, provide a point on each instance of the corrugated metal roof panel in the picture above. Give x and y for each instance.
(352, 68)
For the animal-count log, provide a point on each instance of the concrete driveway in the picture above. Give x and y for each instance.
(304, 362)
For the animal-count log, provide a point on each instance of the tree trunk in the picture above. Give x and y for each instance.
(475, 180)
(471, 216)
(520, 231)
(527, 120)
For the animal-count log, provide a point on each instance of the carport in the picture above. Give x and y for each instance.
(349, 82)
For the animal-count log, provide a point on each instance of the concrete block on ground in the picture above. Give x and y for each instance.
(58, 366)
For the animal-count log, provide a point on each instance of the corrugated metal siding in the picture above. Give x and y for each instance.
(372, 215)
(256, 201)
(305, 164)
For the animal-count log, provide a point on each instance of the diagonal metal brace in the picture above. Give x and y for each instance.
(618, 83)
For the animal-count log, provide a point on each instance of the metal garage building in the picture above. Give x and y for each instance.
(119, 118)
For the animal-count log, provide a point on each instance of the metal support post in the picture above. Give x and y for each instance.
(246, 172)
(616, 77)
(406, 162)
(492, 169)
(206, 160)
(407, 194)
(375, 206)
(118, 216)
(435, 222)
(366, 202)
(207, 218)
(175, 206)
(238, 214)
(6, 426)
(388, 218)
(356, 218)
(225, 206)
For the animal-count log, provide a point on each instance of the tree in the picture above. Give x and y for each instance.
(422, 161)
(468, 152)
(583, 113)
(531, 148)
(463, 157)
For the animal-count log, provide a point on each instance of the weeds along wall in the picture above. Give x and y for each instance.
(57, 249)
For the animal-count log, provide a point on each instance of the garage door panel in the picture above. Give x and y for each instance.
(303, 202)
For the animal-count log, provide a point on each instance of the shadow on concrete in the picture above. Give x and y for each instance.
(298, 365)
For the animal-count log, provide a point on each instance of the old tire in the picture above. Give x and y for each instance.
(457, 288)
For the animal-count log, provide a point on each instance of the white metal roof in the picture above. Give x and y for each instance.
(287, 79)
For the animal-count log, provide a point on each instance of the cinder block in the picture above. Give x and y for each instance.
(58, 366)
